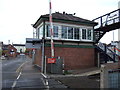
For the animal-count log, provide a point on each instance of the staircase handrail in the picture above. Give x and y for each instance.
(106, 50)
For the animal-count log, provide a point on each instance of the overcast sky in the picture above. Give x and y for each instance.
(16, 16)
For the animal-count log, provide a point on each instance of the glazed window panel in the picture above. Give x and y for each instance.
(64, 32)
(37, 33)
(76, 33)
(70, 33)
(41, 32)
(48, 31)
(55, 28)
(84, 34)
(89, 34)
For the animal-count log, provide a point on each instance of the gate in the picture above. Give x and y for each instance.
(57, 67)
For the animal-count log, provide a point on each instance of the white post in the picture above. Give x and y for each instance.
(51, 28)
(104, 77)
(98, 60)
(45, 66)
(42, 68)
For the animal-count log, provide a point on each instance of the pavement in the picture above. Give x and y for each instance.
(85, 78)
(31, 78)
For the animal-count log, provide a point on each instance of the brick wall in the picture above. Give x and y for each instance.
(74, 58)
(38, 57)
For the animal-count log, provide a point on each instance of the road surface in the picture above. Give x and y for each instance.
(20, 74)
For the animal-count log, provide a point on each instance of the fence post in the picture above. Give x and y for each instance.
(104, 77)
(114, 53)
(98, 59)
(105, 50)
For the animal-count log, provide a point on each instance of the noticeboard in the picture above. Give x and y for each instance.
(51, 60)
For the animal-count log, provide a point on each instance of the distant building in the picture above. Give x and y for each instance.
(20, 47)
(73, 40)
(9, 50)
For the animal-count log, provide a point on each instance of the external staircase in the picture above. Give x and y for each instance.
(106, 23)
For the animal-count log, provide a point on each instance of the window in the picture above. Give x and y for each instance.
(86, 34)
(76, 33)
(37, 33)
(64, 32)
(55, 31)
(89, 34)
(55, 28)
(70, 33)
(41, 32)
(48, 31)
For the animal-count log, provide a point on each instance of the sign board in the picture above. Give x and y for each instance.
(33, 43)
(51, 60)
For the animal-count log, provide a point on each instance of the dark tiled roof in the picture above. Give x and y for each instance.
(18, 44)
(65, 17)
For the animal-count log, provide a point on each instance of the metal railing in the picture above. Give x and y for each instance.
(108, 19)
(108, 51)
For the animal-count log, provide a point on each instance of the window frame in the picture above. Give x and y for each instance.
(75, 28)
(57, 31)
(66, 32)
(40, 33)
(48, 31)
(63, 35)
(86, 38)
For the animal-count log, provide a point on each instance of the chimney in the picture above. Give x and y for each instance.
(64, 12)
(56, 12)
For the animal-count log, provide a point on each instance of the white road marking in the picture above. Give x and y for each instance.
(45, 81)
(44, 75)
(19, 76)
(20, 67)
(15, 82)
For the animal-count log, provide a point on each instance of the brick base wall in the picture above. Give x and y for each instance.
(74, 58)
(38, 57)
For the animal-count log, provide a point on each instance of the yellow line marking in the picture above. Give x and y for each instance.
(20, 67)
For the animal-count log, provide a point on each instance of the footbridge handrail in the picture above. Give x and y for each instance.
(108, 19)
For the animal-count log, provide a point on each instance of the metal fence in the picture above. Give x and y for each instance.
(57, 67)
(110, 78)
(114, 78)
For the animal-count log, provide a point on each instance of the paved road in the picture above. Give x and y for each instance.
(21, 74)
(9, 70)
